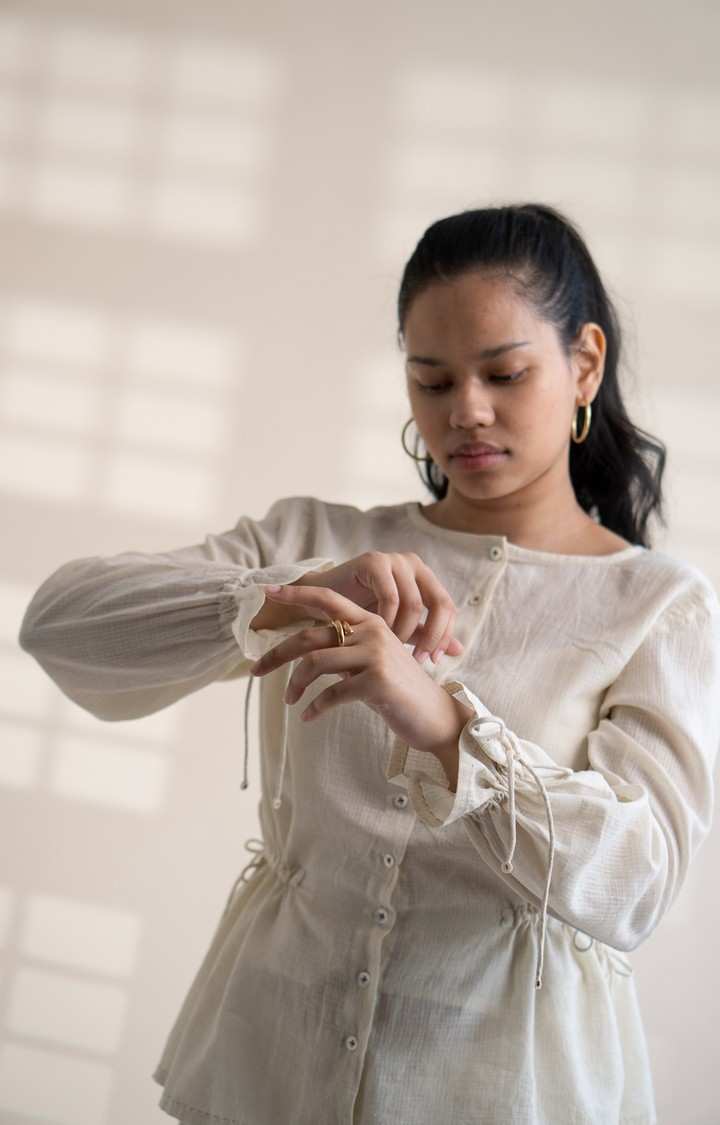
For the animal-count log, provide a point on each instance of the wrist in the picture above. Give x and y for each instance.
(455, 715)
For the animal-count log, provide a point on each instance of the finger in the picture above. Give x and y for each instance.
(326, 662)
(323, 600)
(439, 623)
(300, 643)
(345, 692)
(380, 580)
(411, 603)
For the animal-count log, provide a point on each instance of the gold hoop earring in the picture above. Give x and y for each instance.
(586, 423)
(402, 442)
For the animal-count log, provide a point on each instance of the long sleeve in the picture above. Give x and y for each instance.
(618, 837)
(126, 635)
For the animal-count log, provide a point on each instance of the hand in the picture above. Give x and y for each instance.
(377, 669)
(397, 585)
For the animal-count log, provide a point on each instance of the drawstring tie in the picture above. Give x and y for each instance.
(277, 799)
(509, 742)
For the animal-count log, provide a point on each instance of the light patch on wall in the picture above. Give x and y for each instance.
(455, 101)
(206, 211)
(685, 270)
(80, 935)
(430, 166)
(45, 1084)
(32, 690)
(150, 730)
(10, 109)
(96, 148)
(171, 350)
(76, 1013)
(691, 117)
(22, 749)
(203, 140)
(690, 196)
(14, 597)
(46, 400)
(76, 124)
(62, 333)
(588, 112)
(35, 466)
(95, 56)
(15, 43)
(161, 419)
(100, 772)
(607, 185)
(75, 193)
(221, 72)
(144, 485)
(7, 908)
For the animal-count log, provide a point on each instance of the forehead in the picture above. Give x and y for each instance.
(472, 305)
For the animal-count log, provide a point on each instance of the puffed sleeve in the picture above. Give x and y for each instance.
(125, 635)
(618, 837)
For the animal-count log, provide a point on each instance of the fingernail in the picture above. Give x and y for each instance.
(272, 589)
(436, 655)
(421, 655)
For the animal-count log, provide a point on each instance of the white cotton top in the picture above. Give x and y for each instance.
(378, 958)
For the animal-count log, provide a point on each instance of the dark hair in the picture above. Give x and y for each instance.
(618, 469)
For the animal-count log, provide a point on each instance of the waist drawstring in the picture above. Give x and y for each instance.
(510, 743)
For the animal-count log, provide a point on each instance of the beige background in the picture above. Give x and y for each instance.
(205, 210)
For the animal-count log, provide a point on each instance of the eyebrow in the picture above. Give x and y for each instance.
(488, 353)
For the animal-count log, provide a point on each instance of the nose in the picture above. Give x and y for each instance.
(471, 406)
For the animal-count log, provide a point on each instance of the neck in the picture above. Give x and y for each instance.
(542, 515)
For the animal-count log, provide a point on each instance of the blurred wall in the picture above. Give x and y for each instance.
(205, 211)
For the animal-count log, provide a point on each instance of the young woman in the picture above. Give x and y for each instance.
(458, 851)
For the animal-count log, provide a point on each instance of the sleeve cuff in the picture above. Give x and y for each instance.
(482, 769)
(249, 599)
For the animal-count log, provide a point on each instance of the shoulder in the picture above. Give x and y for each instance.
(342, 517)
(325, 525)
(676, 589)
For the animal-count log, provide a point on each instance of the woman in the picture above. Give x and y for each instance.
(458, 851)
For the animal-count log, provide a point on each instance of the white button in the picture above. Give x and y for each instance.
(496, 552)
(388, 859)
(363, 978)
(381, 915)
(351, 1042)
(401, 800)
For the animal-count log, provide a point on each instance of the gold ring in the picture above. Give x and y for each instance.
(342, 628)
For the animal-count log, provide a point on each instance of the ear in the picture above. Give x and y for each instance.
(589, 360)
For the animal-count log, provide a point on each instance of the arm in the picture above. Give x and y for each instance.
(126, 635)
(624, 830)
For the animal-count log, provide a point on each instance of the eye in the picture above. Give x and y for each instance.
(438, 388)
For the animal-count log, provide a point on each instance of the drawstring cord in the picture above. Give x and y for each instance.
(509, 742)
(277, 799)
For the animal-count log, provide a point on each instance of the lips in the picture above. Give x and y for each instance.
(475, 450)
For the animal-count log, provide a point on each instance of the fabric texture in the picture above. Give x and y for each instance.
(394, 951)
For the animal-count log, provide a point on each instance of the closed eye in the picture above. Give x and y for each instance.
(438, 388)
